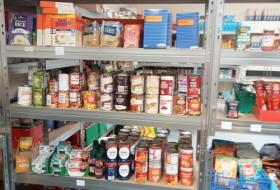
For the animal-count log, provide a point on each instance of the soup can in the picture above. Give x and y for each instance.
(74, 81)
(53, 86)
(52, 100)
(93, 80)
(179, 104)
(74, 99)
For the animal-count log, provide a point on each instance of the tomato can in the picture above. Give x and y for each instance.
(123, 83)
(106, 83)
(93, 80)
(167, 85)
(186, 176)
(123, 170)
(24, 95)
(141, 154)
(172, 156)
(106, 101)
(137, 103)
(52, 100)
(152, 84)
(194, 106)
(151, 103)
(111, 170)
(166, 104)
(63, 99)
(74, 81)
(185, 156)
(74, 99)
(90, 100)
(194, 86)
(53, 86)
(179, 104)
(137, 84)
(121, 102)
(140, 177)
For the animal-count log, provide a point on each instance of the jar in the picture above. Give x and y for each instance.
(267, 43)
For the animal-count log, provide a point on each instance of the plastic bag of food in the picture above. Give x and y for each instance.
(131, 35)
(91, 34)
(111, 34)
(250, 169)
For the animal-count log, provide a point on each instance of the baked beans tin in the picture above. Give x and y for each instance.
(151, 103)
(167, 84)
(194, 106)
(90, 100)
(137, 84)
(179, 104)
(106, 83)
(186, 176)
(63, 99)
(111, 171)
(152, 84)
(121, 102)
(194, 86)
(166, 104)
(53, 86)
(136, 103)
(123, 170)
(124, 151)
(106, 101)
(74, 81)
(93, 80)
(38, 97)
(24, 95)
(111, 150)
(74, 99)
(52, 100)
(122, 83)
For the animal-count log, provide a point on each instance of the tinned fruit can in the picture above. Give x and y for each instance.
(179, 104)
(151, 103)
(106, 101)
(74, 81)
(53, 86)
(186, 176)
(123, 83)
(137, 103)
(194, 106)
(63, 99)
(121, 102)
(166, 104)
(74, 99)
(152, 84)
(90, 100)
(167, 85)
(52, 100)
(38, 97)
(137, 84)
(24, 95)
(93, 80)
(106, 83)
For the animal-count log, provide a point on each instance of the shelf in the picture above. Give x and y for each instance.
(109, 54)
(238, 58)
(113, 117)
(229, 80)
(243, 123)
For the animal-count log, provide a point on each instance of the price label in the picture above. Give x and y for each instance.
(59, 50)
(256, 128)
(80, 183)
(28, 48)
(227, 125)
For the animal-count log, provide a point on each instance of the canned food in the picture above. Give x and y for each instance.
(137, 84)
(141, 154)
(106, 83)
(166, 104)
(53, 86)
(63, 82)
(182, 84)
(31, 71)
(141, 167)
(167, 84)
(185, 156)
(152, 84)
(124, 151)
(140, 177)
(63, 99)
(74, 99)
(186, 176)
(106, 101)
(121, 102)
(171, 179)
(179, 105)
(123, 83)
(155, 153)
(194, 105)
(172, 155)
(111, 171)
(111, 150)
(231, 109)
(194, 86)
(52, 100)
(124, 170)
(93, 80)
(39, 80)
(74, 81)
(136, 103)
(154, 172)
(90, 100)
(151, 103)
(38, 97)
(24, 95)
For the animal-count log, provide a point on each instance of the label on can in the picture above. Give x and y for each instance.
(74, 81)
(93, 80)
(186, 177)
(182, 84)
(171, 169)
(137, 84)
(152, 84)
(124, 170)
(155, 154)
(167, 85)
(74, 99)
(111, 170)
(63, 99)
(194, 106)
(141, 155)
(124, 152)
(112, 153)
(106, 83)
(53, 86)
(38, 98)
(151, 103)
(51, 100)
(106, 101)
(122, 83)
(121, 102)
(194, 86)
(166, 104)
(24, 95)
(90, 99)
(136, 103)
(140, 177)
(172, 158)
(171, 179)
(141, 167)
(179, 105)
(154, 174)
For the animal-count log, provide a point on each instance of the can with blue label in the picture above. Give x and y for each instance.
(111, 170)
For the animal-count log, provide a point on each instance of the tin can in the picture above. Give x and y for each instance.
(123, 170)
(53, 86)
(106, 101)
(194, 106)
(111, 171)
(90, 100)
(172, 156)
(136, 103)
(74, 99)
(122, 83)
(152, 84)
(179, 105)
(166, 104)
(93, 80)
(111, 150)
(141, 167)
(74, 81)
(63, 82)
(151, 103)
(167, 84)
(124, 151)
(39, 80)
(182, 84)
(106, 83)
(63, 99)
(137, 84)
(121, 102)
(38, 97)
(155, 153)
(231, 109)
(24, 95)
(186, 176)
(52, 100)
(194, 86)
(140, 177)
(154, 172)
(141, 154)
(171, 172)
(185, 156)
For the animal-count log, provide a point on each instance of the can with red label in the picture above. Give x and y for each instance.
(166, 104)
(185, 156)
(74, 99)
(186, 176)
(90, 100)
(141, 154)
(63, 99)
(167, 84)
(194, 106)
(51, 100)
(53, 86)
(137, 103)
(194, 86)
(74, 81)
(179, 104)
(106, 101)
(154, 172)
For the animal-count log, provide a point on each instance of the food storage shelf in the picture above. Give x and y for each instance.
(219, 182)
(109, 54)
(113, 117)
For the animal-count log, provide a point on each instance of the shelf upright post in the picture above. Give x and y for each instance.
(5, 129)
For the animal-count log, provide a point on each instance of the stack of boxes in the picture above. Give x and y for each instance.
(59, 25)
(187, 30)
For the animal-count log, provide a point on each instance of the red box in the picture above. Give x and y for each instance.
(270, 116)
(35, 131)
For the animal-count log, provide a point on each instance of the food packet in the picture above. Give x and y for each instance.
(91, 35)
(111, 34)
(250, 169)
(131, 35)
